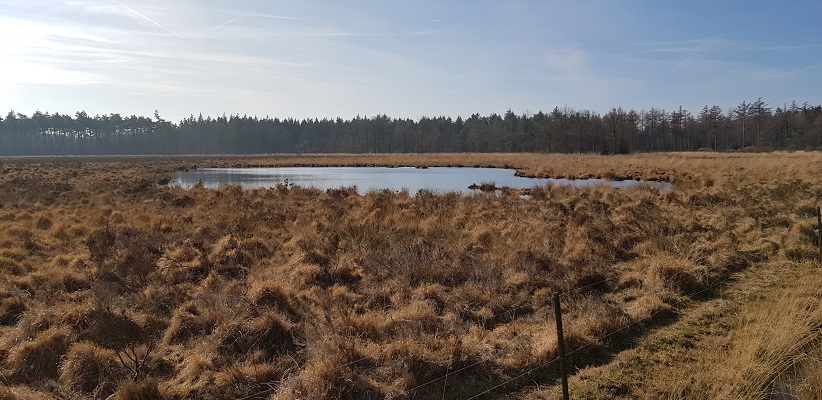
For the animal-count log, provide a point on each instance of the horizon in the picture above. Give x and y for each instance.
(406, 60)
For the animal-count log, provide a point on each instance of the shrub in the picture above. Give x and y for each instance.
(100, 245)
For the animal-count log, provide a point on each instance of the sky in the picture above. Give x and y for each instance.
(403, 58)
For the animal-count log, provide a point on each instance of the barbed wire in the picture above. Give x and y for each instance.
(599, 339)
(587, 345)
(487, 358)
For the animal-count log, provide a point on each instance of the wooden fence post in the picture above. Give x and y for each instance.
(819, 229)
(563, 369)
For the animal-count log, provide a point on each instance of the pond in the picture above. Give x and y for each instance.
(365, 179)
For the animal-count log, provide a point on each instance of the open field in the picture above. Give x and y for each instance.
(111, 283)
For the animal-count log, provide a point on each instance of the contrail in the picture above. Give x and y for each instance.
(228, 22)
(150, 20)
(253, 15)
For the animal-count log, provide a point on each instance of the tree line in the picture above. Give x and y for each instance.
(563, 130)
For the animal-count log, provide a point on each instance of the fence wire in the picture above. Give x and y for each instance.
(273, 386)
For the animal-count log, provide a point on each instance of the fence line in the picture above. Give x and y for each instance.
(489, 357)
(547, 363)
(596, 340)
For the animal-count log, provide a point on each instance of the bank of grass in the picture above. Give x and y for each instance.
(115, 284)
(775, 344)
(757, 339)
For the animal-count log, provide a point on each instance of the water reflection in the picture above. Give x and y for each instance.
(365, 179)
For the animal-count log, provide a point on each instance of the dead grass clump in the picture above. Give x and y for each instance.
(247, 380)
(11, 309)
(146, 389)
(801, 243)
(40, 357)
(91, 370)
(761, 353)
(194, 374)
(313, 267)
(43, 223)
(34, 321)
(585, 245)
(22, 393)
(420, 362)
(419, 316)
(11, 266)
(333, 370)
(646, 307)
(64, 274)
(185, 252)
(590, 280)
(136, 254)
(15, 253)
(256, 247)
(271, 333)
(591, 317)
(421, 261)
(520, 344)
(113, 330)
(345, 271)
(190, 320)
(266, 293)
(682, 277)
(811, 386)
(72, 281)
(184, 263)
(163, 300)
(228, 258)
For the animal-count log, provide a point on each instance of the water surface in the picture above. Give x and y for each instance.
(365, 179)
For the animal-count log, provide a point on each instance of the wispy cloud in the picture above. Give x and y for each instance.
(331, 34)
(566, 61)
(717, 45)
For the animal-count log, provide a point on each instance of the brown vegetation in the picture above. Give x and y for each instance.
(112, 284)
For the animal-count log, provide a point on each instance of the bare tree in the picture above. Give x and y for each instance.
(742, 112)
(759, 112)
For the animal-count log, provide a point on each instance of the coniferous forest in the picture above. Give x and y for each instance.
(753, 124)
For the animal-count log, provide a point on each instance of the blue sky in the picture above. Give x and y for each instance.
(403, 58)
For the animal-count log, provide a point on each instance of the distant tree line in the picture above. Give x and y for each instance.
(563, 130)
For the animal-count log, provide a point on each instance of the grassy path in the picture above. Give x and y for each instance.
(733, 345)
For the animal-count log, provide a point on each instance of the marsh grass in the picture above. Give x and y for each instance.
(300, 293)
(776, 344)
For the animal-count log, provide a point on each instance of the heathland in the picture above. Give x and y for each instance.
(113, 283)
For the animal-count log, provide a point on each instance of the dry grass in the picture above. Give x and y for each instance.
(774, 348)
(300, 293)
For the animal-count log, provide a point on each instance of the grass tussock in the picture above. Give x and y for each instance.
(113, 285)
(39, 358)
(91, 370)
